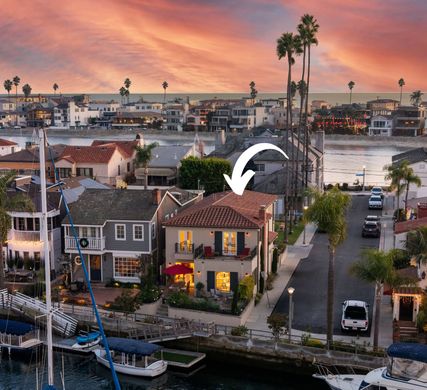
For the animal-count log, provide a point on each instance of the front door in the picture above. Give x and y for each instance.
(406, 308)
(95, 268)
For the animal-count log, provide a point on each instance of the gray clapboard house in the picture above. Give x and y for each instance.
(119, 226)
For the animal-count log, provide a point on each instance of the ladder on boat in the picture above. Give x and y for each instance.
(62, 323)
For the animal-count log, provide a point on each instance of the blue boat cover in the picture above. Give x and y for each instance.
(410, 351)
(14, 327)
(88, 338)
(132, 347)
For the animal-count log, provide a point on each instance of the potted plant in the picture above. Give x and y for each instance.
(199, 287)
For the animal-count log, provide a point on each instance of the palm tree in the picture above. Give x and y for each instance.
(143, 158)
(289, 45)
(351, 85)
(122, 92)
(396, 173)
(55, 87)
(16, 203)
(416, 98)
(409, 177)
(16, 80)
(401, 83)
(27, 90)
(416, 244)
(253, 91)
(310, 28)
(328, 211)
(127, 84)
(8, 87)
(376, 267)
(165, 85)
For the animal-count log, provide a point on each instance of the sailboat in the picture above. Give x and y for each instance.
(45, 238)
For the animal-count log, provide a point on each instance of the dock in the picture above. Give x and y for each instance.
(180, 359)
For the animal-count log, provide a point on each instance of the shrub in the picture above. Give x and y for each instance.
(258, 297)
(277, 322)
(401, 258)
(270, 280)
(246, 288)
(125, 302)
(149, 295)
(241, 330)
(199, 286)
(274, 263)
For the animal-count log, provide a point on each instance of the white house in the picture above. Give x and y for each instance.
(381, 125)
(8, 147)
(142, 107)
(175, 116)
(104, 108)
(73, 115)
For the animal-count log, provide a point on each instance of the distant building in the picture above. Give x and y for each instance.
(320, 105)
(8, 147)
(382, 106)
(39, 116)
(381, 125)
(175, 116)
(143, 119)
(409, 121)
(73, 115)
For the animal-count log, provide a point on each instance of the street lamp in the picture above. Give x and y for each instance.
(303, 239)
(291, 290)
(364, 174)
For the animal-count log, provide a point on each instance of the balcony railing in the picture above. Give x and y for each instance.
(184, 248)
(204, 252)
(94, 243)
(22, 235)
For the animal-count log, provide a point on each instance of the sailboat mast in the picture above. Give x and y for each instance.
(45, 240)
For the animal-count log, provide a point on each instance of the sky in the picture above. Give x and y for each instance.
(209, 45)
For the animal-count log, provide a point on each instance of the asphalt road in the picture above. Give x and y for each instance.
(310, 277)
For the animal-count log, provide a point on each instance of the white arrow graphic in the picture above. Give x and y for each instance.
(238, 182)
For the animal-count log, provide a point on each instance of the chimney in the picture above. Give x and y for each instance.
(262, 216)
(220, 138)
(157, 196)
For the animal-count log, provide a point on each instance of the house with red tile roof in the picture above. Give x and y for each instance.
(8, 147)
(106, 162)
(222, 239)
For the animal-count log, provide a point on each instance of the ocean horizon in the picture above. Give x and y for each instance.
(333, 98)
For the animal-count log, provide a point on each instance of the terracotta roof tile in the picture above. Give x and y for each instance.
(272, 236)
(5, 142)
(225, 210)
(126, 147)
(407, 226)
(89, 154)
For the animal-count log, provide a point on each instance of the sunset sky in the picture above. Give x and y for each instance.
(209, 45)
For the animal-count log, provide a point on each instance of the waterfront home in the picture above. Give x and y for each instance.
(24, 239)
(117, 228)
(39, 116)
(382, 106)
(8, 147)
(143, 119)
(222, 239)
(105, 162)
(245, 118)
(26, 161)
(72, 115)
(175, 116)
(409, 121)
(7, 105)
(164, 165)
(381, 125)
(142, 107)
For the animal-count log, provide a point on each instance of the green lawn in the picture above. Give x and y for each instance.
(175, 357)
(296, 231)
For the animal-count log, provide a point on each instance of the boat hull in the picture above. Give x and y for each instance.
(153, 370)
(342, 382)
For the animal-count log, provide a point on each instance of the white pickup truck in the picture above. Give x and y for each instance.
(355, 315)
(375, 202)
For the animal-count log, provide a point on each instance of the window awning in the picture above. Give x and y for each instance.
(168, 172)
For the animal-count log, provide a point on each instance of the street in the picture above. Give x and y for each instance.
(310, 277)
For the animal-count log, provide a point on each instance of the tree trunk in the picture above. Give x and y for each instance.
(406, 196)
(306, 133)
(400, 101)
(145, 177)
(331, 294)
(2, 284)
(350, 95)
(289, 126)
(378, 292)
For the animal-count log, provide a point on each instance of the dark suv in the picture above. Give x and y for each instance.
(371, 229)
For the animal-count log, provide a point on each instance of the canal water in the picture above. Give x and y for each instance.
(85, 373)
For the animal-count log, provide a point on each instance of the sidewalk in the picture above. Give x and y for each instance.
(289, 261)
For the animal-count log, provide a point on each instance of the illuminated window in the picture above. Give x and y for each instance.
(229, 243)
(126, 267)
(222, 281)
(185, 241)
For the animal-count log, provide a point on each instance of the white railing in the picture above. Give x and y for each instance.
(94, 243)
(22, 235)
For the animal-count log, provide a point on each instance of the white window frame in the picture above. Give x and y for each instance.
(153, 231)
(142, 231)
(124, 231)
(129, 279)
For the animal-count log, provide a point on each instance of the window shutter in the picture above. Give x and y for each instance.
(234, 280)
(210, 280)
(240, 242)
(218, 242)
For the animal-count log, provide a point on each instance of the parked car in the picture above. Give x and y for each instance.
(378, 191)
(375, 202)
(373, 218)
(371, 229)
(355, 315)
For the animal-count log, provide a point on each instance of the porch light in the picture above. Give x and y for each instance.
(211, 233)
(198, 273)
(247, 234)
